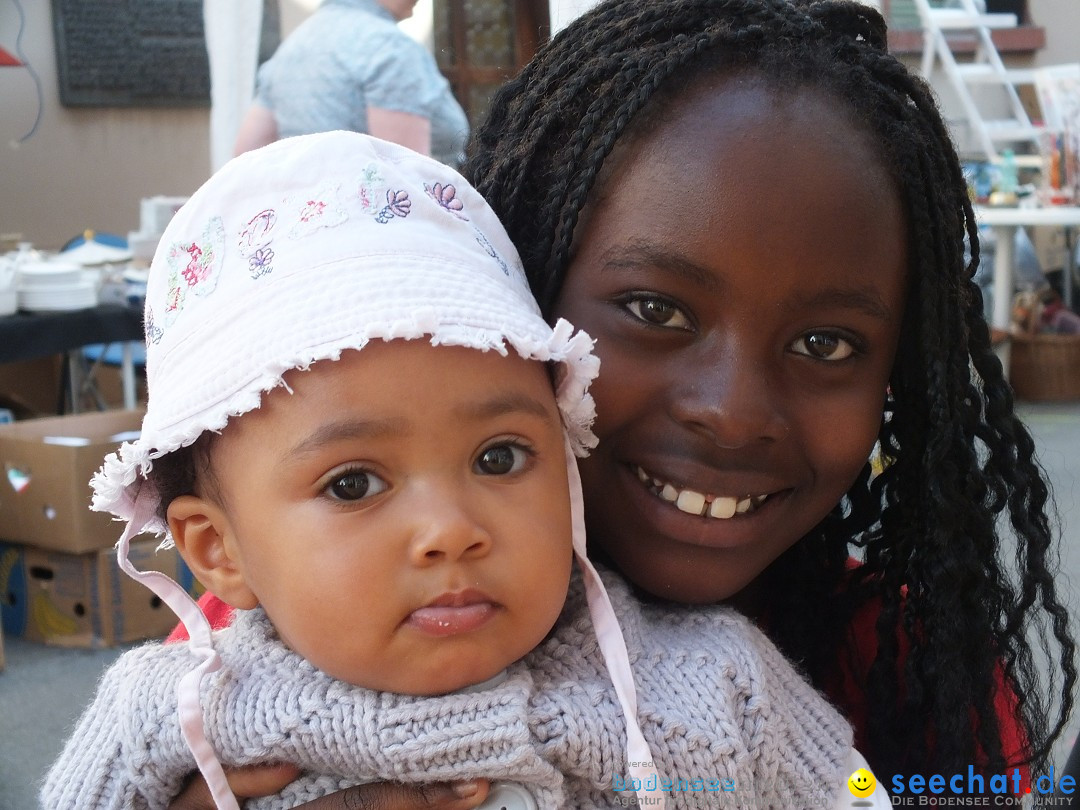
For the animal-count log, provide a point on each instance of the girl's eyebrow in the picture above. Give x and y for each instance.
(864, 299)
(640, 256)
(645, 255)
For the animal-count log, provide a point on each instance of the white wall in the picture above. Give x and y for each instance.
(83, 167)
(563, 11)
(1061, 18)
(89, 167)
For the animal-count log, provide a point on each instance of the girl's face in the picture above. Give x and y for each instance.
(743, 274)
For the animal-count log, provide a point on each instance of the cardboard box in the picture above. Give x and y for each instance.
(31, 388)
(47, 464)
(85, 600)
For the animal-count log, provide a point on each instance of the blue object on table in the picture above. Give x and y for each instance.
(109, 239)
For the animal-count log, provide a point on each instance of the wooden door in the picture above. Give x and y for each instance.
(479, 44)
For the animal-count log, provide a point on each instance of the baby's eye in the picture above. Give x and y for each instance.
(824, 346)
(658, 312)
(355, 485)
(501, 459)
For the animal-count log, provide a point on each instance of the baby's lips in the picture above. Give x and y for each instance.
(450, 620)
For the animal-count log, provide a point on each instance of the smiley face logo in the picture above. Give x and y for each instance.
(861, 783)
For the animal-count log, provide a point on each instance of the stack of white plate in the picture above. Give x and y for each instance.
(92, 253)
(56, 287)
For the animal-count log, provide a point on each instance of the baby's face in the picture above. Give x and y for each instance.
(403, 516)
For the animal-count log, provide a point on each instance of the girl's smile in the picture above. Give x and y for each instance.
(738, 323)
(717, 507)
(698, 513)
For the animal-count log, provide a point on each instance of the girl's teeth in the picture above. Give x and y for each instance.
(722, 508)
(693, 503)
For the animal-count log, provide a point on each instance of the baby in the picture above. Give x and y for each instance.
(361, 434)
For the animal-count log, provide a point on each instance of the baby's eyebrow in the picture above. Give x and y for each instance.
(502, 404)
(479, 410)
(348, 429)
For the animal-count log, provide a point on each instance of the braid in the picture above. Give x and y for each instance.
(552, 127)
(951, 605)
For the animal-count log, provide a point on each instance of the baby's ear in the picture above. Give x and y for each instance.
(201, 532)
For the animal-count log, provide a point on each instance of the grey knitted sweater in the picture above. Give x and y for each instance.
(730, 722)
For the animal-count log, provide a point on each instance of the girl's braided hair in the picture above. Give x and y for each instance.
(951, 591)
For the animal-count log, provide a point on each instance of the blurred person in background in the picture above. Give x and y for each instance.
(349, 66)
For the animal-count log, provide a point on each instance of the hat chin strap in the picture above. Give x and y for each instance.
(189, 707)
(639, 760)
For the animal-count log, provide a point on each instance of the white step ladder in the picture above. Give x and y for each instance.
(985, 69)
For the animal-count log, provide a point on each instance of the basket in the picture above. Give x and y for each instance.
(1045, 368)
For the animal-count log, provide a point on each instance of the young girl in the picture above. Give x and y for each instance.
(759, 216)
(352, 437)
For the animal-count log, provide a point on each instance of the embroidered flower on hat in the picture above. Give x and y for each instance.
(254, 242)
(397, 204)
(194, 266)
(320, 210)
(153, 331)
(485, 243)
(368, 192)
(446, 197)
(259, 262)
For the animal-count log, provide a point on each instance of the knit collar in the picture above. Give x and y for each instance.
(260, 632)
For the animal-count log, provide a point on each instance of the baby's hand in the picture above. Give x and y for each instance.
(265, 780)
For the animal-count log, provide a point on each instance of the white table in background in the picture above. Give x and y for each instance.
(1004, 222)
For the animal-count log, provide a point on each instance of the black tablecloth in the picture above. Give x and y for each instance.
(25, 335)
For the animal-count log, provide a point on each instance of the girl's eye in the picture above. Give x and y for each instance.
(658, 312)
(355, 485)
(824, 346)
(501, 459)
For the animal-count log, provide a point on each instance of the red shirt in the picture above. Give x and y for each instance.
(844, 691)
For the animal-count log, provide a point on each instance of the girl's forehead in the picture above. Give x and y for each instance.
(749, 134)
(745, 106)
(742, 177)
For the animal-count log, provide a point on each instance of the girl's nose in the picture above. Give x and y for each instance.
(445, 531)
(730, 399)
